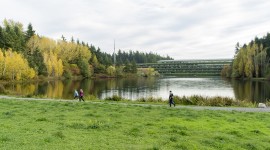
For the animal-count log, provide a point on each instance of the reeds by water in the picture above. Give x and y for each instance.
(192, 100)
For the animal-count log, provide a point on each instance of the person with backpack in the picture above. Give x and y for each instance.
(171, 99)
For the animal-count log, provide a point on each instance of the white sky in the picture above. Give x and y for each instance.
(182, 29)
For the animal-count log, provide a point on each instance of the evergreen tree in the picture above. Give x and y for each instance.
(72, 40)
(30, 32)
(63, 38)
(13, 34)
(133, 67)
(35, 62)
(2, 40)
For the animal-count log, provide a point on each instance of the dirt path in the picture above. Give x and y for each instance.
(241, 109)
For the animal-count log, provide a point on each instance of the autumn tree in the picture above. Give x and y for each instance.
(226, 71)
(71, 53)
(2, 64)
(111, 70)
(250, 61)
(14, 67)
(53, 64)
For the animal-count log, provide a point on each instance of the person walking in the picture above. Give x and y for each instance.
(76, 94)
(81, 95)
(171, 99)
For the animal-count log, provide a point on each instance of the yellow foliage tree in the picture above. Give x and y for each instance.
(15, 66)
(2, 64)
(58, 54)
(60, 68)
(53, 64)
(46, 44)
(33, 44)
(70, 52)
(111, 70)
(249, 67)
(95, 61)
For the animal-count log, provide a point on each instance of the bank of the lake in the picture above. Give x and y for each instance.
(74, 125)
(194, 100)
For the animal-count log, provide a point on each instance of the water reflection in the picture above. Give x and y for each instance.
(255, 91)
(135, 88)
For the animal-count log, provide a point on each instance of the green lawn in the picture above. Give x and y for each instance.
(74, 125)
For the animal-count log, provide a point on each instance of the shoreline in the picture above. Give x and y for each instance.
(136, 103)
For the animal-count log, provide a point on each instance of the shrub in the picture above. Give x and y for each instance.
(193, 100)
(90, 97)
(216, 101)
(182, 100)
(114, 98)
(142, 99)
(226, 71)
(204, 101)
(197, 99)
(150, 99)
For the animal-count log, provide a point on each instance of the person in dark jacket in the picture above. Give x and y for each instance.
(171, 99)
(81, 95)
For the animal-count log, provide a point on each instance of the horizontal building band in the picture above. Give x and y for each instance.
(189, 67)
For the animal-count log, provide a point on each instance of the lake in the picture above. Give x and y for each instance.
(134, 88)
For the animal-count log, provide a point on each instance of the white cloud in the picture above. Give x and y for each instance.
(181, 29)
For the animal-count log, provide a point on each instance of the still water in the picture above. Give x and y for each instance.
(144, 87)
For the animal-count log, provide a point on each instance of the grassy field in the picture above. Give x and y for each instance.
(75, 125)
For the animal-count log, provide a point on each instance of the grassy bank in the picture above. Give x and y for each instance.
(196, 100)
(74, 125)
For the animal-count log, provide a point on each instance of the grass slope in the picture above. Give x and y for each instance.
(74, 125)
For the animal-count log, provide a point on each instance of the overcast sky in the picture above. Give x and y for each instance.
(182, 29)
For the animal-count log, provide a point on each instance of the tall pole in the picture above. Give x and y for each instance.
(261, 65)
(114, 59)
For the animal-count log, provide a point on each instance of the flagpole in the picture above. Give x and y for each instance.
(114, 59)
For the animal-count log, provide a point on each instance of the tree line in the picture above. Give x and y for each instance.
(27, 55)
(250, 60)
